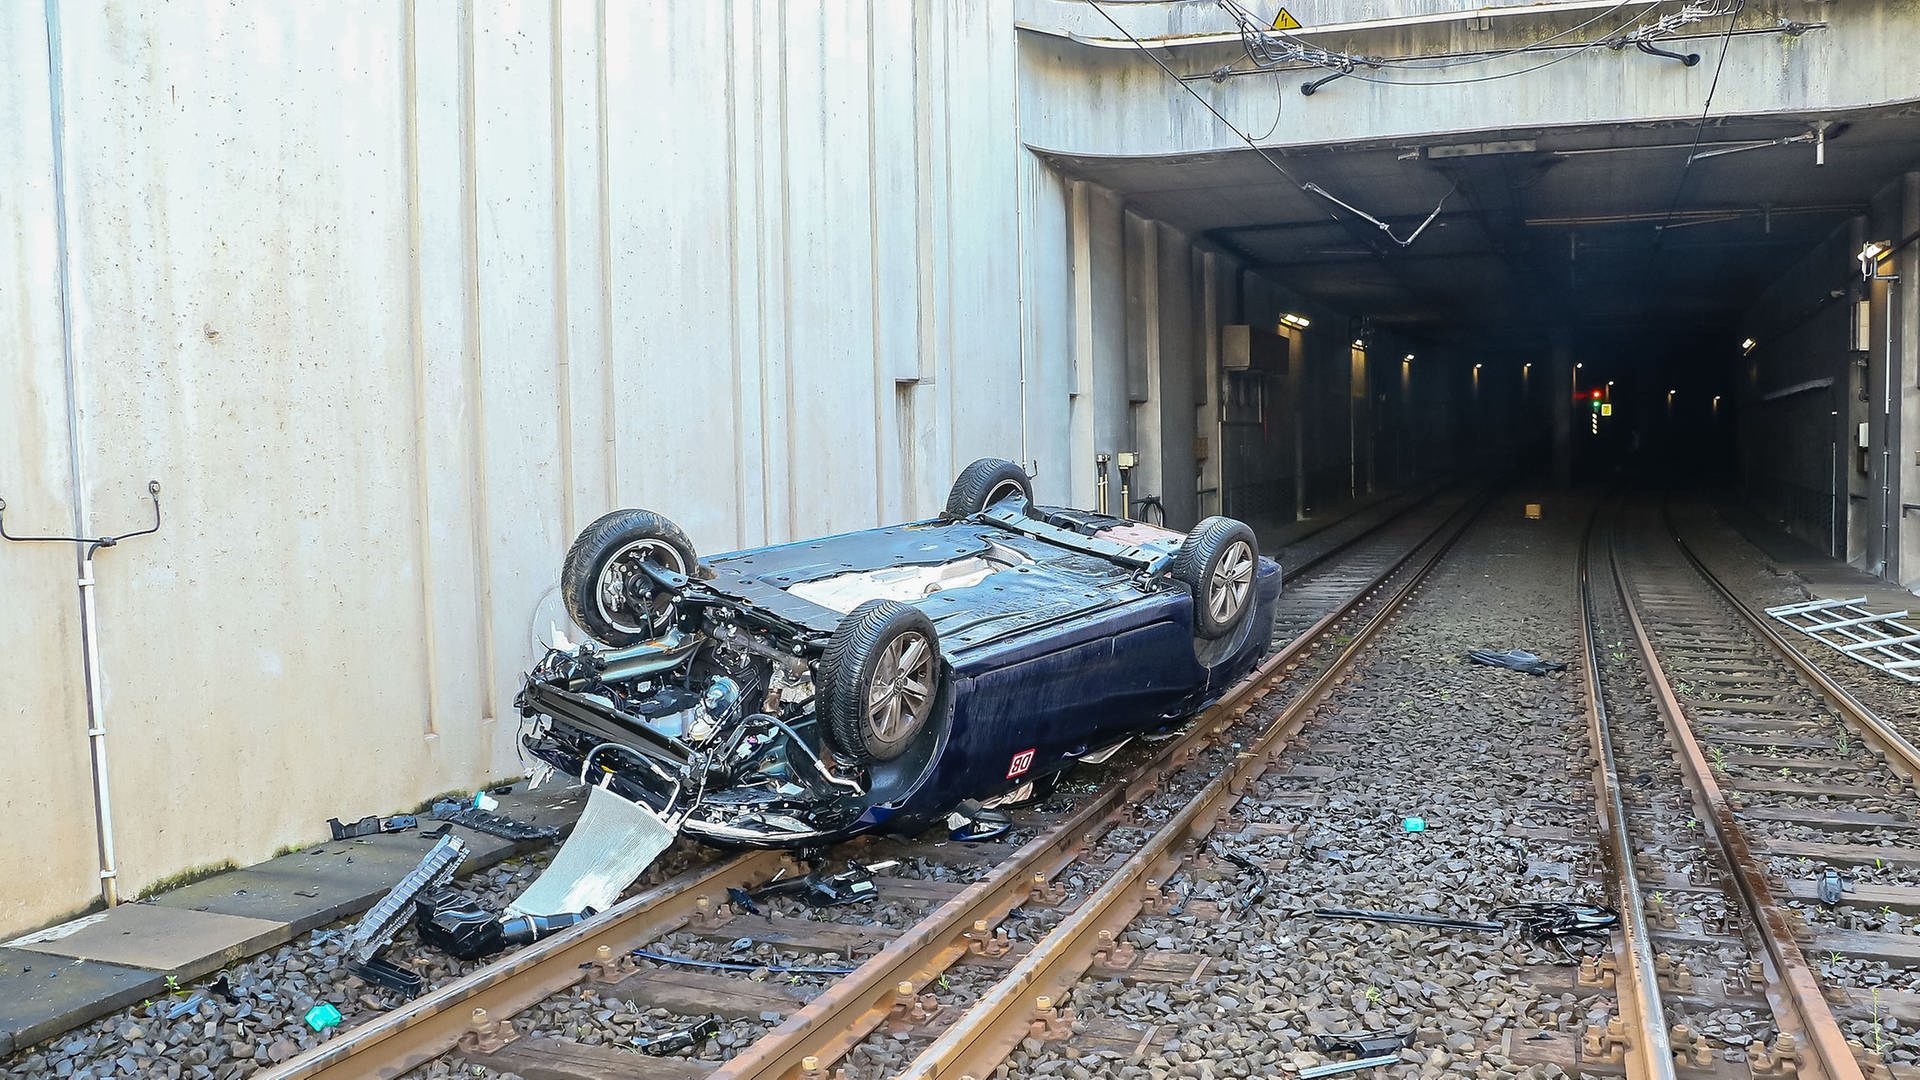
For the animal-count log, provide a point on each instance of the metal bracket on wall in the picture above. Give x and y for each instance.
(94, 543)
(96, 706)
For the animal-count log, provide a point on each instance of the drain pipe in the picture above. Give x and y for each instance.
(96, 731)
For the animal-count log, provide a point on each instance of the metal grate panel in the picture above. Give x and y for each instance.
(1879, 641)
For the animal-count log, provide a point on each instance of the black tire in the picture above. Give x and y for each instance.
(872, 642)
(1220, 562)
(593, 587)
(984, 483)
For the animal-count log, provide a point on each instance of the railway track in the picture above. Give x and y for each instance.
(1737, 782)
(949, 906)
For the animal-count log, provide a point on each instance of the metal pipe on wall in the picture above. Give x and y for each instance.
(89, 627)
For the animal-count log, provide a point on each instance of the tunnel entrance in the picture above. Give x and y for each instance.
(1687, 293)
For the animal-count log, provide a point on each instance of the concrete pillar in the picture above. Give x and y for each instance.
(1560, 387)
(1904, 475)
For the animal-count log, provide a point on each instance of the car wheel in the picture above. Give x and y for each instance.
(880, 679)
(603, 586)
(1218, 561)
(984, 483)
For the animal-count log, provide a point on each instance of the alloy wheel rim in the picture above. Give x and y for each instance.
(901, 686)
(1231, 582)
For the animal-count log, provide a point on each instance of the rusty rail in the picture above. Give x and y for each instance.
(1800, 1008)
(1028, 995)
(1901, 755)
(1636, 985)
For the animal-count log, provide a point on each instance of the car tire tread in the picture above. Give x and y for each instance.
(580, 573)
(1193, 567)
(968, 496)
(847, 666)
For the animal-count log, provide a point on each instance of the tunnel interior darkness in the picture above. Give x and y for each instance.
(1641, 252)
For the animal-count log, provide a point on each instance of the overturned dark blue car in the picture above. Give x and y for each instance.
(886, 679)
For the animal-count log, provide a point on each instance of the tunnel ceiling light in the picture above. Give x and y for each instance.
(1407, 359)
(1747, 345)
(1359, 343)
(1577, 367)
(1299, 322)
(1476, 367)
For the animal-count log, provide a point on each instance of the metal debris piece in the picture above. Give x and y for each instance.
(486, 821)
(1362, 1044)
(1831, 885)
(684, 1039)
(1338, 1068)
(1880, 641)
(615, 840)
(383, 920)
(370, 825)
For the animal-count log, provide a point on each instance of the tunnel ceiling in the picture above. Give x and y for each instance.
(1591, 231)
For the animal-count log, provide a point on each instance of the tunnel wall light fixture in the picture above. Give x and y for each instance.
(1871, 255)
(1747, 345)
(1298, 322)
(1407, 359)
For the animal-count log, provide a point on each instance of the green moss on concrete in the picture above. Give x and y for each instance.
(186, 877)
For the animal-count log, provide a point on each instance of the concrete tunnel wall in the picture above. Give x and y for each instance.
(395, 300)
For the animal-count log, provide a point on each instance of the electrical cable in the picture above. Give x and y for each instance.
(1700, 128)
(1309, 188)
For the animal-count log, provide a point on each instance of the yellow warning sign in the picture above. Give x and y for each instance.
(1285, 21)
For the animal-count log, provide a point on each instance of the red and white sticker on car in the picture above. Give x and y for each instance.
(1022, 761)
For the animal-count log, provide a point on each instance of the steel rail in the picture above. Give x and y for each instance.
(1636, 984)
(827, 1028)
(1800, 1007)
(1312, 562)
(1902, 756)
(975, 1043)
(432, 1024)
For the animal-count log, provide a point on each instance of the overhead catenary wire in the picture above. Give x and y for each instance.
(1273, 162)
(1700, 127)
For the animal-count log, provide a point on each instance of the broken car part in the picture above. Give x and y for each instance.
(822, 889)
(737, 965)
(371, 825)
(1516, 659)
(486, 821)
(1362, 1044)
(684, 1039)
(382, 920)
(1339, 1068)
(459, 926)
(613, 842)
(1548, 921)
(1253, 895)
(383, 972)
